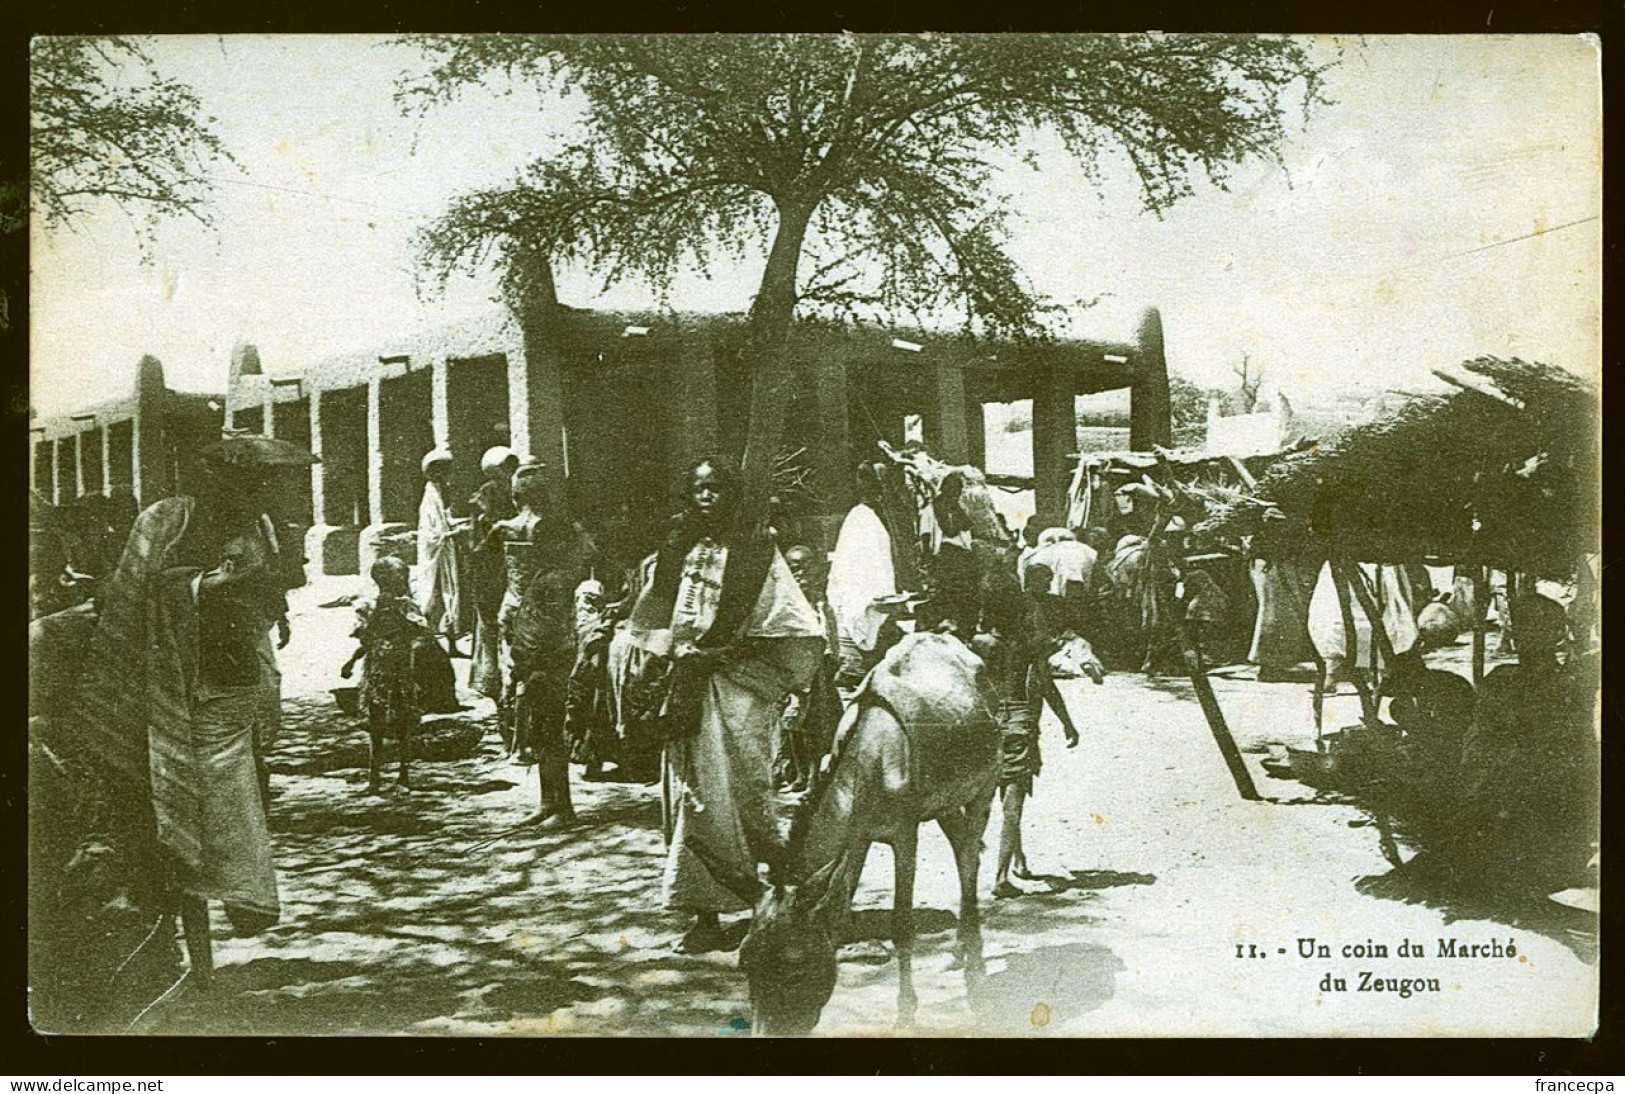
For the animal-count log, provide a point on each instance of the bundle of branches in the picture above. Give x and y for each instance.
(1501, 473)
(794, 482)
(926, 474)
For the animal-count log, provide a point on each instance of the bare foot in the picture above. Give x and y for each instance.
(1008, 888)
(547, 820)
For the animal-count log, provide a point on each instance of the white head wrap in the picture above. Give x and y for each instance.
(496, 457)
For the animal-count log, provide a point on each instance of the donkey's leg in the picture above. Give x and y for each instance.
(964, 829)
(902, 922)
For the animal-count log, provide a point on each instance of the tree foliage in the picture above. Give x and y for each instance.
(108, 127)
(1187, 402)
(859, 168)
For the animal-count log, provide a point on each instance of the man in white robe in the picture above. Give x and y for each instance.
(435, 578)
(860, 572)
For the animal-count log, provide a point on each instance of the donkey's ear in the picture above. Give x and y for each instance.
(821, 887)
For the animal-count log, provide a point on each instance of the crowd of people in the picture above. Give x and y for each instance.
(718, 665)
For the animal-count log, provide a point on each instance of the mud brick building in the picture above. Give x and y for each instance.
(615, 403)
(142, 444)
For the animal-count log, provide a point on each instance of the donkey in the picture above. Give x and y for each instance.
(918, 744)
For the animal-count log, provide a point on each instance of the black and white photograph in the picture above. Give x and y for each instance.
(934, 535)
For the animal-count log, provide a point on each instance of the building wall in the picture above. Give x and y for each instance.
(478, 415)
(121, 454)
(344, 455)
(613, 404)
(402, 424)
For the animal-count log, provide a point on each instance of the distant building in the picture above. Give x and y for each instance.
(143, 443)
(615, 403)
(1266, 428)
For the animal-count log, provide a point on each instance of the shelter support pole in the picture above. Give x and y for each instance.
(1373, 611)
(1351, 643)
(1320, 697)
(1214, 716)
(1481, 615)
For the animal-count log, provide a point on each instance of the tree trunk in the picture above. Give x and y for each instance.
(766, 341)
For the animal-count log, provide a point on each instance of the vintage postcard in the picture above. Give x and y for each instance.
(1008, 535)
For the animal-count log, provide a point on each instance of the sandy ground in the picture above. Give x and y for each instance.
(1160, 870)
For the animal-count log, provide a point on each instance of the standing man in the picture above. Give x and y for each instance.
(861, 571)
(724, 615)
(493, 503)
(435, 579)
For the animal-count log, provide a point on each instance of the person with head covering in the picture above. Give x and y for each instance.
(730, 635)
(1029, 544)
(861, 571)
(492, 503)
(177, 687)
(1283, 582)
(436, 580)
(954, 567)
(1071, 565)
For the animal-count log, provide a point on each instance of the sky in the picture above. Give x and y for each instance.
(1445, 206)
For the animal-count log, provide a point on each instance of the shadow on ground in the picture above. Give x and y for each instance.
(390, 924)
(1415, 883)
(1054, 985)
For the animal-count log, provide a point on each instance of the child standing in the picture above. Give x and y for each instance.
(389, 629)
(1015, 644)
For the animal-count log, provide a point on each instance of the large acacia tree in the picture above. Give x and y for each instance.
(857, 167)
(108, 127)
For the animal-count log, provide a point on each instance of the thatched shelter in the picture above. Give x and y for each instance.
(1502, 472)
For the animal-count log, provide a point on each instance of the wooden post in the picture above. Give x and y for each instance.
(1215, 717)
(1351, 644)
(1320, 698)
(1481, 614)
(1373, 612)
